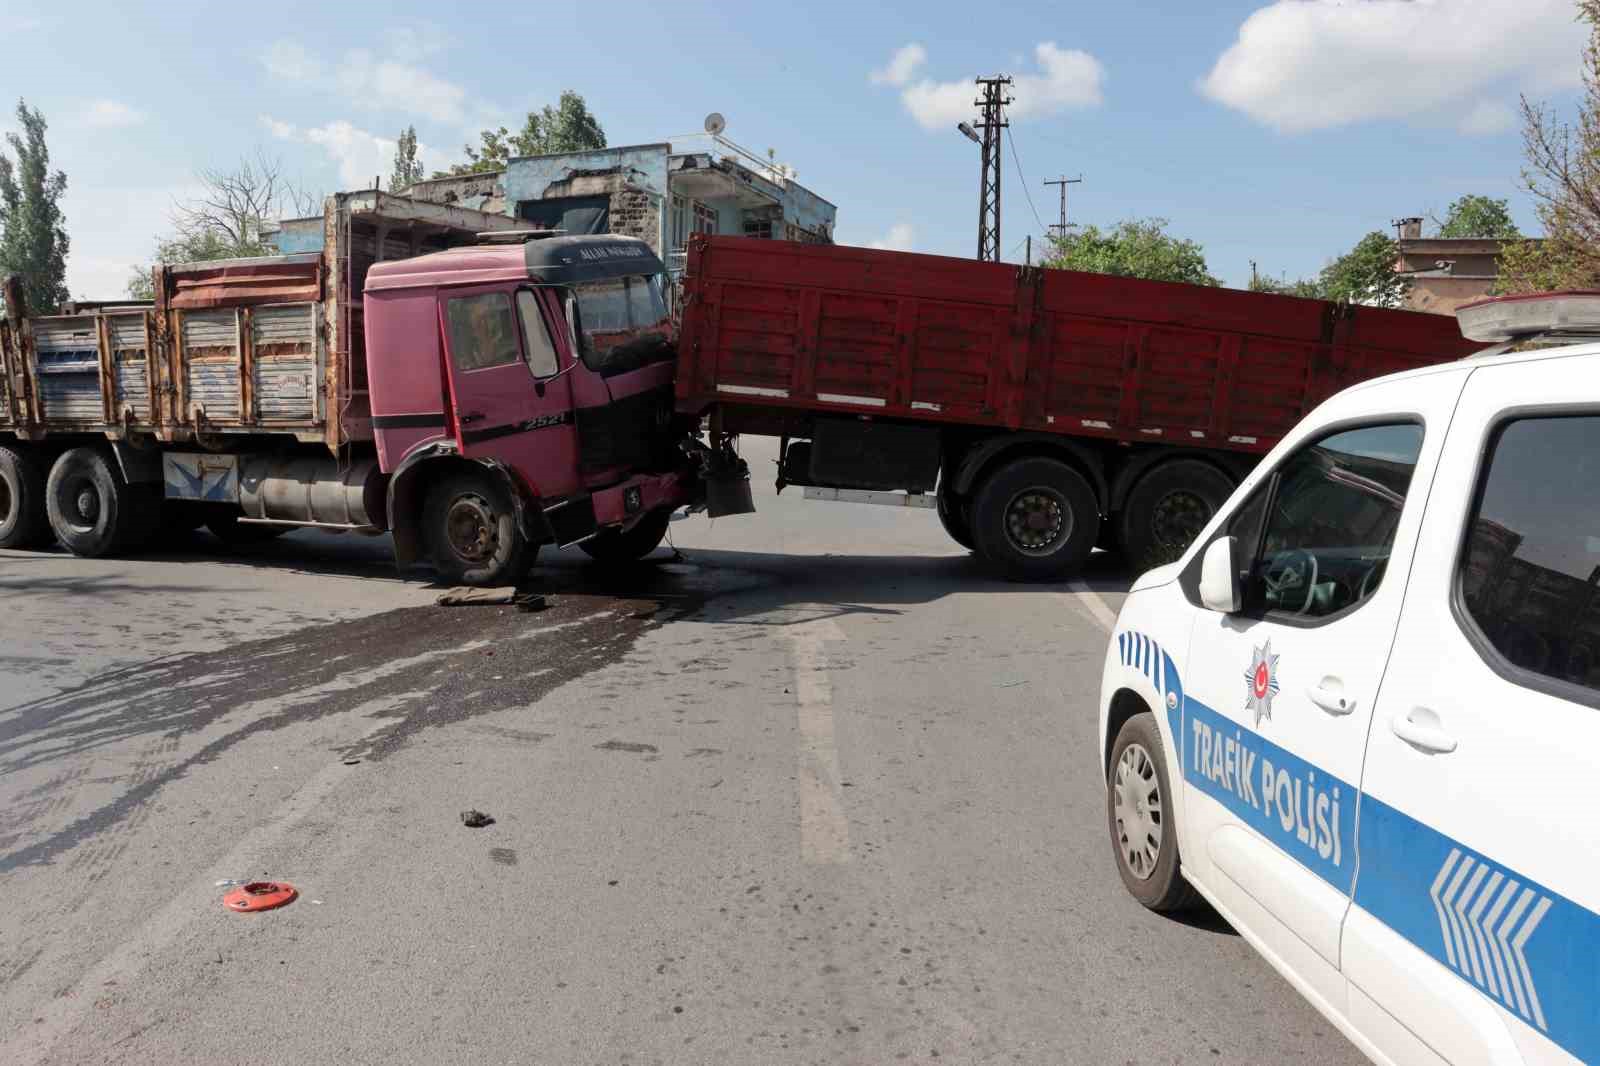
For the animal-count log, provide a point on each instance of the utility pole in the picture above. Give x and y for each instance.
(993, 103)
(1061, 230)
(1028, 260)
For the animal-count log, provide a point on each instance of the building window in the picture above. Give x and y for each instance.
(758, 227)
(705, 218)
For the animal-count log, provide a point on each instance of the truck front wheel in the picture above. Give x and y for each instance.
(617, 546)
(92, 511)
(23, 522)
(470, 527)
(1035, 520)
(1168, 508)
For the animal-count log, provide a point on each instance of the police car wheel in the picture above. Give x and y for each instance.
(1139, 815)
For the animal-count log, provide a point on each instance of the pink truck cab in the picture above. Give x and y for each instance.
(522, 394)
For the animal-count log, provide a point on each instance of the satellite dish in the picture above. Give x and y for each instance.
(715, 123)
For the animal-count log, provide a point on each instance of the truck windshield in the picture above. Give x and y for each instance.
(622, 324)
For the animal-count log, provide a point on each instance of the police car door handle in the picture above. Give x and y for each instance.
(1329, 695)
(1420, 728)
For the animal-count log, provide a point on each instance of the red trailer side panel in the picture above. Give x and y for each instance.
(830, 328)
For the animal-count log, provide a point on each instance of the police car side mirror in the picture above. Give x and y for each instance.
(1219, 576)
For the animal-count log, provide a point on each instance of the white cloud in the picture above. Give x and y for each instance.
(1313, 64)
(114, 228)
(900, 238)
(10, 24)
(359, 154)
(1066, 78)
(901, 66)
(283, 131)
(108, 114)
(1488, 117)
(391, 81)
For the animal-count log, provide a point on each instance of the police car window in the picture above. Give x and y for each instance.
(1530, 576)
(1327, 535)
(541, 352)
(483, 331)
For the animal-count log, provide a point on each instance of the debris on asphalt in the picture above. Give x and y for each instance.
(466, 596)
(351, 761)
(260, 896)
(230, 882)
(475, 819)
(1011, 684)
(531, 601)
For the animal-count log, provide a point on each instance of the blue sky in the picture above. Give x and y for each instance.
(1278, 132)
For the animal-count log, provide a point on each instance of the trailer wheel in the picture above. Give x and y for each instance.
(616, 546)
(954, 516)
(1035, 520)
(1167, 509)
(470, 527)
(92, 511)
(23, 521)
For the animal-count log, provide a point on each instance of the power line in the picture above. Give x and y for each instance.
(1020, 177)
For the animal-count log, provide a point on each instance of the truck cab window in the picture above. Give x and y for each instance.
(535, 336)
(1531, 570)
(1325, 544)
(623, 323)
(483, 331)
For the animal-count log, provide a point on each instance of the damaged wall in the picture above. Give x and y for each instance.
(634, 178)
(481, 192)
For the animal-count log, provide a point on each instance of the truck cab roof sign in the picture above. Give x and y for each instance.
(568, 260)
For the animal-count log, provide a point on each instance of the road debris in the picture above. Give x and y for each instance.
(475, 819)
(531, 601)
(230, 882)
(260, 896)
(466, 596)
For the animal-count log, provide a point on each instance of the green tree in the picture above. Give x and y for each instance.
(407, 167)
(1365, 274)
(566, 127)
(1563, 173)
(1308, 288)
(1134, 248)
(1478, 216)
(229, 219)
(33, 234)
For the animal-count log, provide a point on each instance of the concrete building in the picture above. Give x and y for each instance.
(645, 191)
(1446, 272)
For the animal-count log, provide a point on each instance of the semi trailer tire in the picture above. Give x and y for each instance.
(1035, 520)
(23, 521)
(617, 546)
(470, 527)
(92, 511)
(1167, 508)
(954, 516)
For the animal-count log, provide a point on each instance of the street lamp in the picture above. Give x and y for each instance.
(968, 132)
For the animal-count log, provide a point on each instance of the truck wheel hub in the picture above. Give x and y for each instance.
(473, 529)
(1037, 521)
(85, 505)
(1178, 519)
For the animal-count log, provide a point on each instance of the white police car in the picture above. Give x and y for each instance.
(1361, 716)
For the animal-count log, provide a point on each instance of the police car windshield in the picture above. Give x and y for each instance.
(622, 323)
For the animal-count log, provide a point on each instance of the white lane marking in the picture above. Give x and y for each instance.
(1088, 601)
(824, 829)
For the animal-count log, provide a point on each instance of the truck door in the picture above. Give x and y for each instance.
(511, 399)
(1279, 696)
(1474, 928)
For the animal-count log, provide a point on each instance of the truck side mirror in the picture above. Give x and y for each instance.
(1219, 576)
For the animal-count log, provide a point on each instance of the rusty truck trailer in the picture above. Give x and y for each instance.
(1040, 411)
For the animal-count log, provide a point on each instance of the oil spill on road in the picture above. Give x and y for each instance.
(419, 668)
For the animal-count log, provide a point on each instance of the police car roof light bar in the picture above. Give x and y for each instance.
(1502, 319)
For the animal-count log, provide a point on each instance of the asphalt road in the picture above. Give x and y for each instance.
(816, 790)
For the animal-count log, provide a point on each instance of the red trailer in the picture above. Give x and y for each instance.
(1041, 411)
